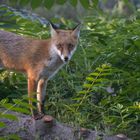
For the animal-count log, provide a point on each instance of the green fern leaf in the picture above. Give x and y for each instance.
(2, 124)
(9, 116)
(89, 78)
(87, 85)
(13, 137)
(21, 110)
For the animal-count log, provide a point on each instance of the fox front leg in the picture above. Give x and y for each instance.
(41, 95)
(32, 85)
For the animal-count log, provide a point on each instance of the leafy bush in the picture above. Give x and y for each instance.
(99, 88)
(113, 103)
(18, 105)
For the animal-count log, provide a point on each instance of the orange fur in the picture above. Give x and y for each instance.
(39, 59)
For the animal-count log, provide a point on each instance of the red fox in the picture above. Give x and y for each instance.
(39, 59)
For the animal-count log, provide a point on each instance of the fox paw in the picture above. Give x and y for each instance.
(38, 116)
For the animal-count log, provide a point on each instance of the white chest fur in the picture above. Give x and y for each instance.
(52, 65)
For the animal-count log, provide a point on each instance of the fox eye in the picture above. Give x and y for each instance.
(59, 46)
(71, 46)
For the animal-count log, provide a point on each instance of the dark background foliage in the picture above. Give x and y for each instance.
(99, 88)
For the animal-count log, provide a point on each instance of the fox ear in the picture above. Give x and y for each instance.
(53, 29)
(76, 30)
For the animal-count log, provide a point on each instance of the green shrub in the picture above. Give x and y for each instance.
(99, 88)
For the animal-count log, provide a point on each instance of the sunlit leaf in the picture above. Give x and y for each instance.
(69, 108)
(87, 85)
(102, 80)
(82, 92)
(9, 116)
(2, 124)
(89, 78)
(7, 105)
(21, 110)
(3, 101)
(13, 137)
(94, 74)
(23, 104)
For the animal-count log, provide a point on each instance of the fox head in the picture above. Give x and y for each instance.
(65, 41)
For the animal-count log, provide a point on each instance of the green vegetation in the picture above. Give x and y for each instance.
(100, 87)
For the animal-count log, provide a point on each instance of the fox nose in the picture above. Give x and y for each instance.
(66, 58)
